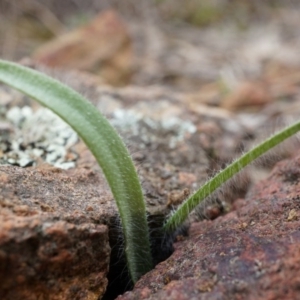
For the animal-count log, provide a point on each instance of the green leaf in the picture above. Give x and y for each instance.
(211, 185)
(107, 147)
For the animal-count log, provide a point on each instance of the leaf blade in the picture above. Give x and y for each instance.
(107, 147)
(237, 165)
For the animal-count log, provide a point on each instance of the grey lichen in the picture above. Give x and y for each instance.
(31, 136)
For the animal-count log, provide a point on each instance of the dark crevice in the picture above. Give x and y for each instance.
(162, 247)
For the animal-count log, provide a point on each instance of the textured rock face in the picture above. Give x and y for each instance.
(251, 253)
(48, 248)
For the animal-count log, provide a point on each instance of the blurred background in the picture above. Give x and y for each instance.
(219, 51)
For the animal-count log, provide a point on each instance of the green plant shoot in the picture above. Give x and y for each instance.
(107, 147)
(115, 161)
(211, 185)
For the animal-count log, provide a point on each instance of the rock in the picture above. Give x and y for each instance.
(174, 146)
(248, 94)
(102, 46)
(250, 253)
(49, 245)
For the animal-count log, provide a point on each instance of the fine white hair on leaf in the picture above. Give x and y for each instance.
(223, 197)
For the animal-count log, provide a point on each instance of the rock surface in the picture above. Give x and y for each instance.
(175, 143)
(49, 248)
(250, 253)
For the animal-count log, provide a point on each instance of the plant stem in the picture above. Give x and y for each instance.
(211, 185)
(107, 147)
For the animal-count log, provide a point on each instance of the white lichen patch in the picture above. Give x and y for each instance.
(149, 129)
(33, 136)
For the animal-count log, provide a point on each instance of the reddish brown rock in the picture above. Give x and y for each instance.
(50, 247)
(102, 46)
(73, 195)
(250, 253)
